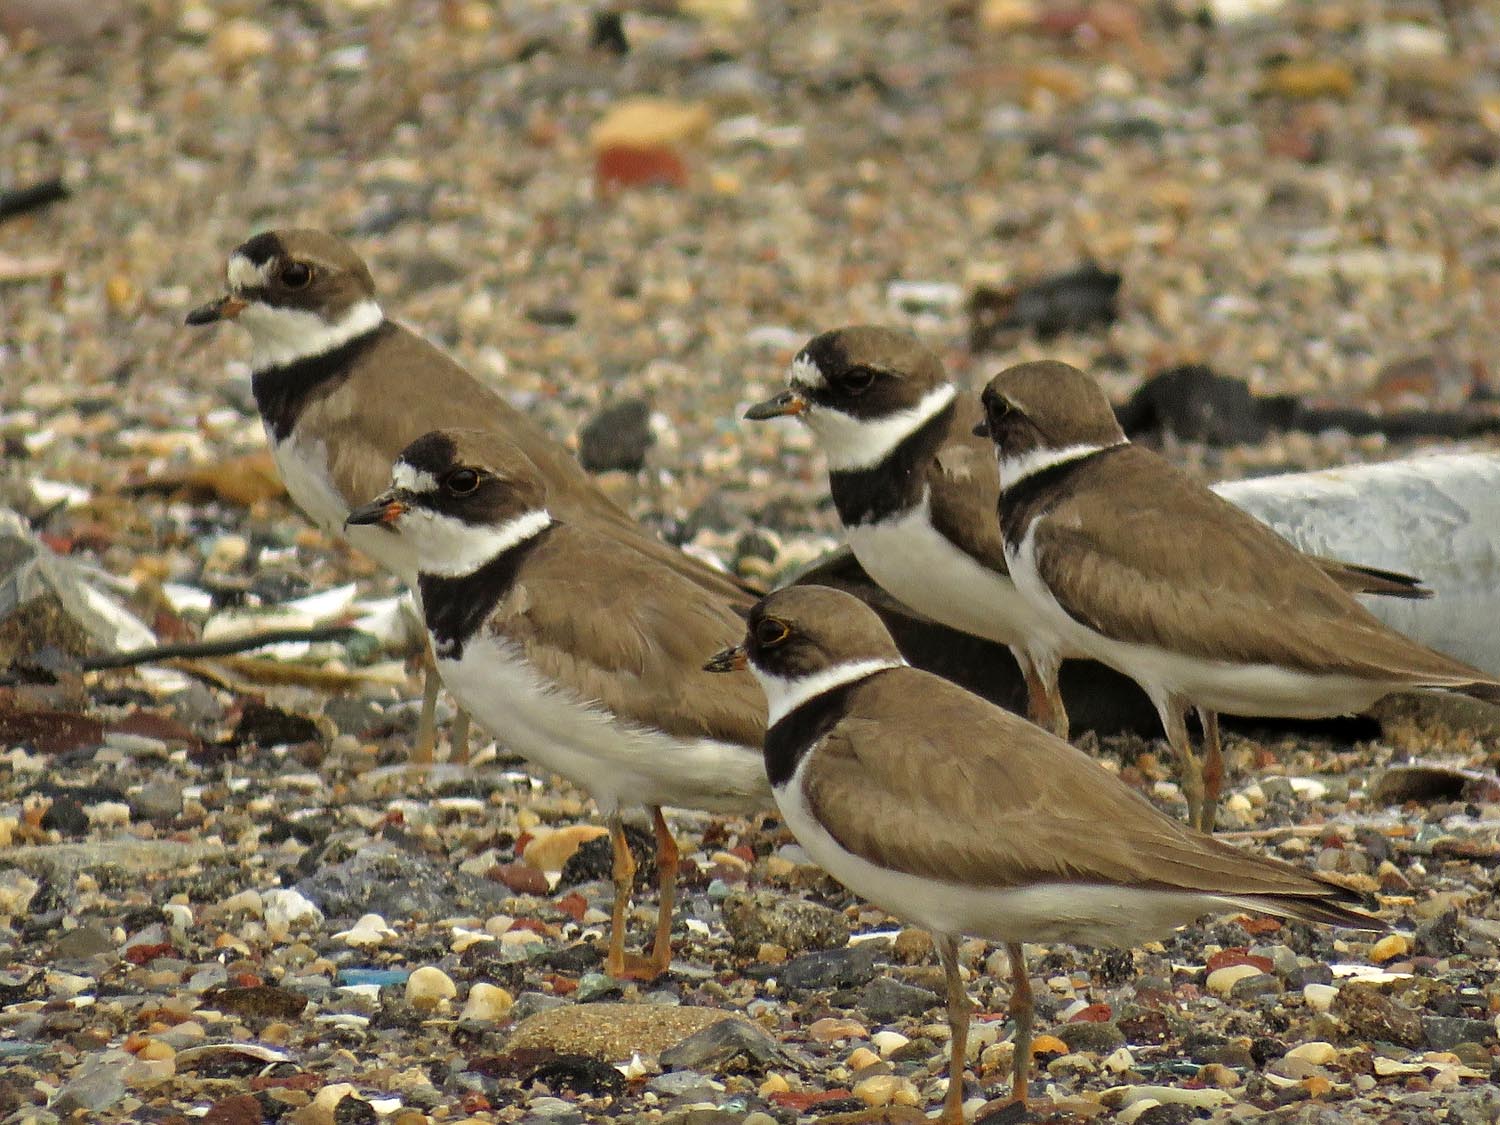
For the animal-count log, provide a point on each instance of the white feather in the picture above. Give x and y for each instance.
(862, 443)
(783, 696)
(1013, 470)
(619, 762)
(279, 336)
(451, 548)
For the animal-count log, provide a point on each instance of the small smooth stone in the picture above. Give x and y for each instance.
(428, 987)
(1316, 1052)
(888, 1042)
(831, 1029)
(885, 1089)
(487, 1003)
(1222, 981)
(1389, 948)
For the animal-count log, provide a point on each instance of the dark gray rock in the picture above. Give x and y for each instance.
(1443, 1033)
(849, 967)
(886, 999)
(83, 943)
(760, 917)
(1100, 1038)
(617, 438)
(383, 879)
(1261, 984)
(713, 1048)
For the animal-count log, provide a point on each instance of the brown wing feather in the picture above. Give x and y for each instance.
(1119, 555)
(961, 790)
(964, 487)
(616, 627)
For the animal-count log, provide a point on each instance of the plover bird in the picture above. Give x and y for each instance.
(579, 650)
(949, 811)
(1133, 562)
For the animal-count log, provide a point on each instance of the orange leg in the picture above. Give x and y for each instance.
(1213, 769)
(1174, 718)
(958, 1026)
(1022, 1009)
(667, 858)
(458, 737)
(421, 753)
(624, 878)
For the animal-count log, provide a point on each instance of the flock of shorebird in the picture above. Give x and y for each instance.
(651, 679)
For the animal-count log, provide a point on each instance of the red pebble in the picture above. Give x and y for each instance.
(574, 905)
(627, 166)
(521, 879)
(140, 954)
(802, 1101)
(1094, 1013)
(1239, 955)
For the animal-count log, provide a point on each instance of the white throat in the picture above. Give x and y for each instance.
(1013, 470)
(279, 337)
(862, 443)
(450, 548)
(784, 696)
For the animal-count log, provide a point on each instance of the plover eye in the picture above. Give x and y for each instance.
(461, 482)
(769, 633)
(296, 275)
(857, 380)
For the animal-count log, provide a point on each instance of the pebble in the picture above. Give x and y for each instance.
(487, 1003)
(888, 1042)
(1221, 982)
(886, 1089)
(429, 987)
(886, 1000)
(797, 926)
(833, 1029)
(1389, 948)
(1316, 1052)
(371, 930)
(288, 910)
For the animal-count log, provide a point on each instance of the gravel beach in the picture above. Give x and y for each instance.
(225, 897)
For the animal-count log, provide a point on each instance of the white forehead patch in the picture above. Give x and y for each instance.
(805, 373)
(245, 274)
(413, 479)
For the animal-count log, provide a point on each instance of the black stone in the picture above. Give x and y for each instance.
(849, 967)
(617, 438)
(594, 861)
(886, 999)
(263, 725)
(717, 1046)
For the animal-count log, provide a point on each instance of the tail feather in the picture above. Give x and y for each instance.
(1336, 907)
(1360, 579)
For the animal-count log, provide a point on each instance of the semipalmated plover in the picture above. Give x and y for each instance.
(942, 808)
(916, 490)
(580, 651)
(341, 390)
(1135, 563)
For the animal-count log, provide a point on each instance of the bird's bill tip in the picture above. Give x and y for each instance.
(730, 659)
(383, 511)
(787, 404)
(982, 428)
(226, 307)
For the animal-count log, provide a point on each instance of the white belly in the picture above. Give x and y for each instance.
(1218, 685)
(1071, 913)
(303, 466)
(620, 763)
(909, 559)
